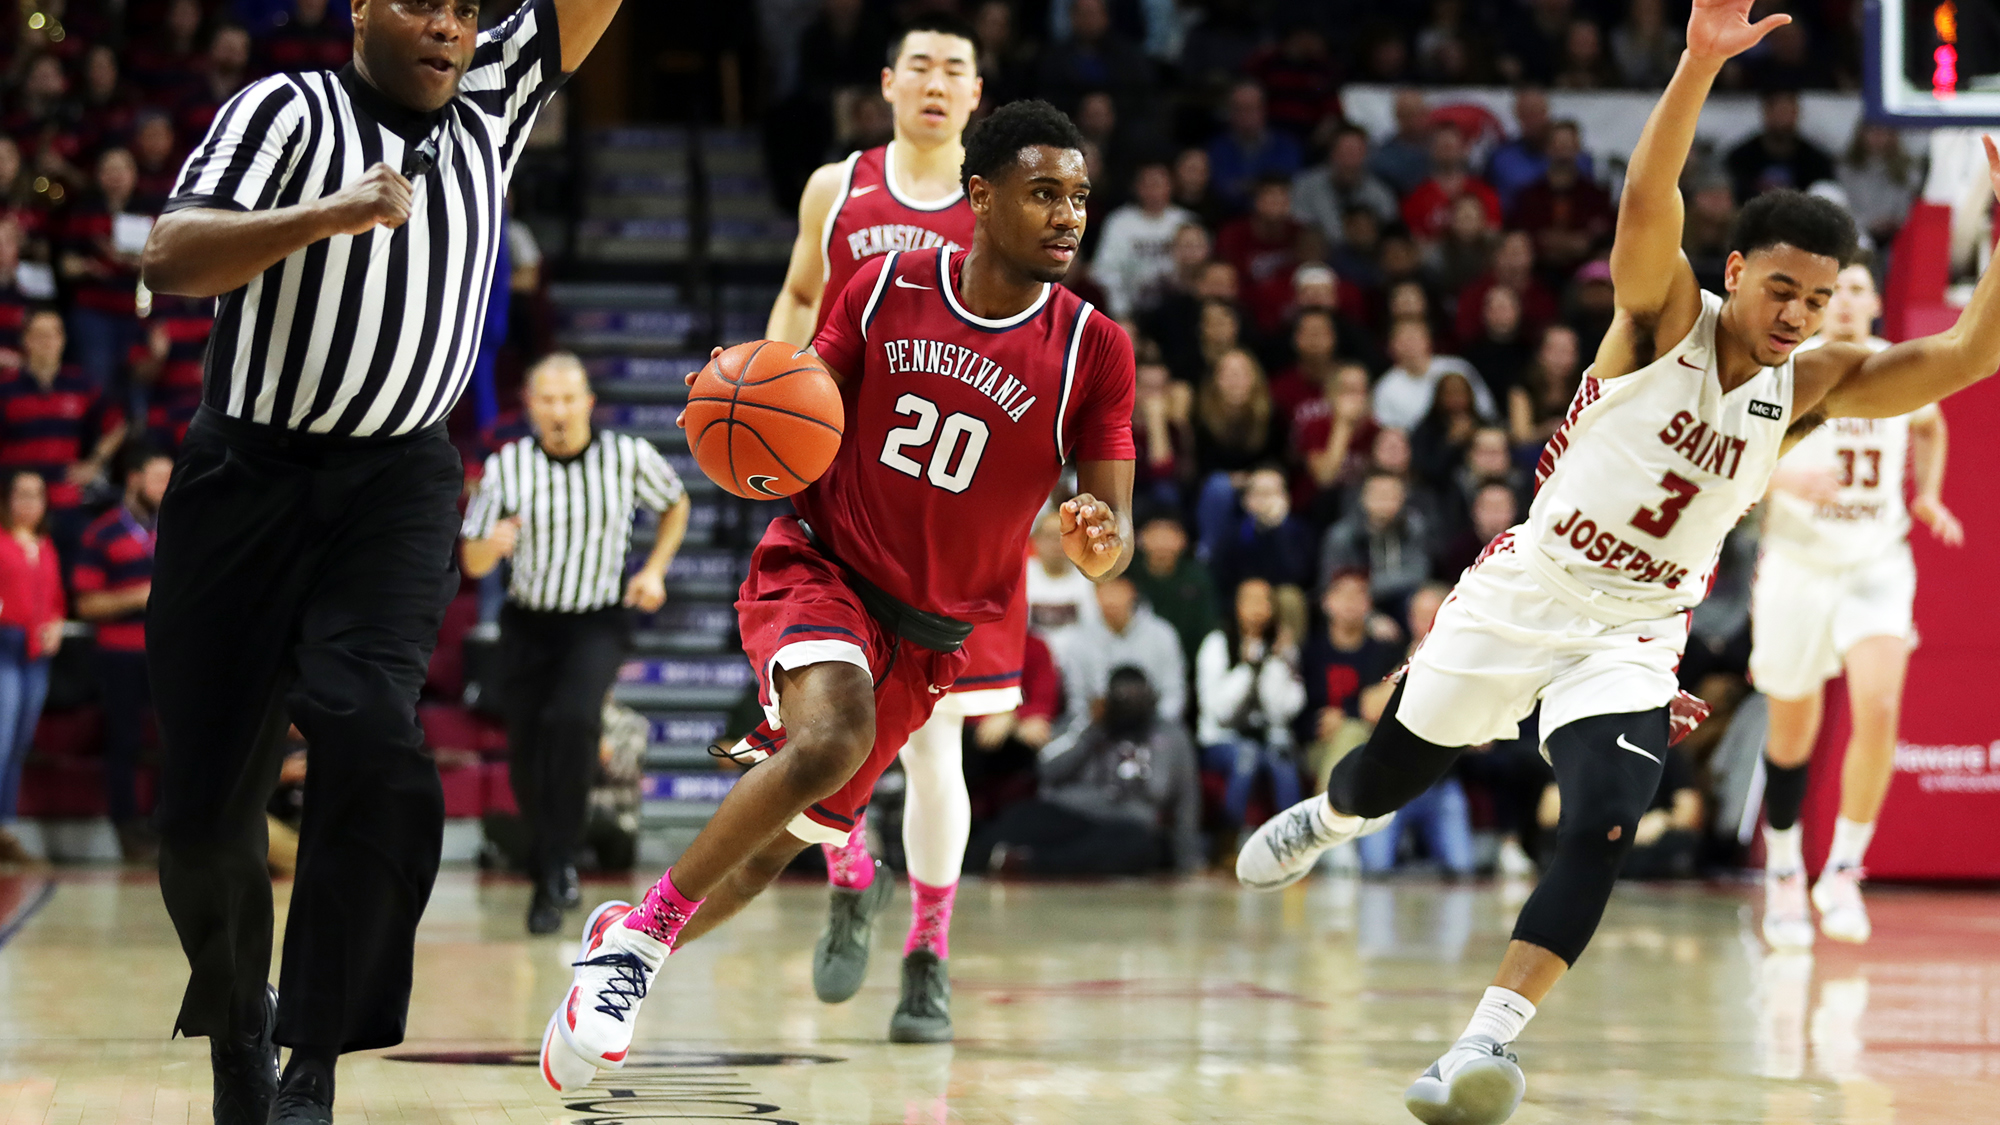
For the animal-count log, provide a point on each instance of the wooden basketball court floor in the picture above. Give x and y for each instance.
(1075, 1004)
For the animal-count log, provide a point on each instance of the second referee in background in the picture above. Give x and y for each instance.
(560, 505)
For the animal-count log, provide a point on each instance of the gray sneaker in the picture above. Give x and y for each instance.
(1476, 1083)
(924, 1013)
(840, 957)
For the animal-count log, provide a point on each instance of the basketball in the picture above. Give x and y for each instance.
(764, 419)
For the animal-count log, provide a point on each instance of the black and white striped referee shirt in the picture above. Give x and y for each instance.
(576, 516)
(373, 334)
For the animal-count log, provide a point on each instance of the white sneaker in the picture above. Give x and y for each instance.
(614, 971)
(1787, 920)
(1475, 1083)
(1283, 848)
(1842, 915)
(563, 1069)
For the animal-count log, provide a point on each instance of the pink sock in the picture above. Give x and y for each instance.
(849, 865)
(930, 918)
(664, 911)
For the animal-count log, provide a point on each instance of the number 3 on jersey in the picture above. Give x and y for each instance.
(959, 430)
(1657, 523)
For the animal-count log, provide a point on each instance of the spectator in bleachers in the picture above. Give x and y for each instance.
(31, 625)
(1162, 429)
(1180, 320)
(166, 63)
(105, 105)
(1523, 158)
(224, 71)
(157, 160)
(1248, 150)
(1438, 444)
(1499, 348)
(46, 123)
(1565, 212)
(1268, 542)
(1538, 405)
(1403, 158)
(1787, 60)
(53, 421)
(113, 577)
(1194, 189)
(1532, 40)
(1247, 678)
(1427, 208)
(1173, 582)
(27, 208)
(1060, 598)
(1513, 267)
(1779, 156)
(1117, 798)
(1264, 246)
(1134, 260)
(1445, 48)
(1354, 257)
(1215, 50)
(1647, 46)
(1711, 217)
(13, 303)
(1385, 55)
(1879, 179)
(166, 368)
(1323, 193)
(1001, 771)
(1384, 536)
(1316, 288)
(1331, 439)
(842, 47)
(1463, 251)
(311, 39)
(102, 237)
(1494, 509)
(1345, 669)
(1125, 631)
(1097, 118)
(1221, 332)
(1489, 457)
(1315, 355)
(1235, 430)
(1008, 64)
(1097, 56)
(1300, 81)
(1440, 814)
(1586, 63)
(1403, 394)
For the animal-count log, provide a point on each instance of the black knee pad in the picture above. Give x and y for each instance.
(1392, 769)
(1608, 769)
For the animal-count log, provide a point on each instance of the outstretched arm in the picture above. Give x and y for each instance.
(1654, 287)
(581, 24)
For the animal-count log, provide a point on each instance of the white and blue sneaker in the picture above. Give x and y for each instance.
(615, 968)
(1283, 848)
(1477, 1082)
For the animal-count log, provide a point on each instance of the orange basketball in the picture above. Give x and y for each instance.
(764, 419)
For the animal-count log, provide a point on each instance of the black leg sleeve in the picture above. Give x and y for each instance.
(1391, 770)
(1607, 769)
(1784, 793)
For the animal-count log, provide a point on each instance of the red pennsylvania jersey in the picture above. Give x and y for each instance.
(957, 429)
(871, 218)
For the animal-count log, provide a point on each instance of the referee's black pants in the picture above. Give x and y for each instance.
(555, 670)
(297, 580)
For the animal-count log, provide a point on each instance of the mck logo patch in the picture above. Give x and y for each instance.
(1764, 409)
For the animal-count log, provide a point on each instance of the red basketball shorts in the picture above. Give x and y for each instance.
(796, 609)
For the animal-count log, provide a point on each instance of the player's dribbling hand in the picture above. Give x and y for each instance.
(1936, 516)
(1721, 29)
(381, 197)
(681, 418)
(1090, 534)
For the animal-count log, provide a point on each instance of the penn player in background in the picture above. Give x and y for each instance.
(1583, 608)
(905, 196)
(1833, 592)
(970, 379)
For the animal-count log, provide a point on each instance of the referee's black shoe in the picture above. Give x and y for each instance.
(545, 911)
(245, 1065)
(306, 1095)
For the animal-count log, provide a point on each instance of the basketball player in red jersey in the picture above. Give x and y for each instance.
(970, 379)
(905, 196)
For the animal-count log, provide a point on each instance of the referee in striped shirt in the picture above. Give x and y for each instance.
(348, 224)
(560, 505)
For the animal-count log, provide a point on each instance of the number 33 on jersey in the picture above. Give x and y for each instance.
(958, 428)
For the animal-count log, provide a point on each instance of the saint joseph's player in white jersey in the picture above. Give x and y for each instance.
(1584, 608)
(904, 196)
(1833, 590)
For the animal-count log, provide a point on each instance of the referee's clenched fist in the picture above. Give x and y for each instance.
(381, 197)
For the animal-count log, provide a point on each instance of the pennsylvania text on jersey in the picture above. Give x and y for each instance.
(870, 241)
(953, 361)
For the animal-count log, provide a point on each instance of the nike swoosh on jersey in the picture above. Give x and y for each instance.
(1684, 360)
(1636, 750)
(901, 284)
(861, 191)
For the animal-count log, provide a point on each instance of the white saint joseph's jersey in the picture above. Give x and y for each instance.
(1869, 518)
(1650, 471)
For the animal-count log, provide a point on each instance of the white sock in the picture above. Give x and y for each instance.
(1784, 850)
(1850, 842)
(1330, 818)
(1501, 1015)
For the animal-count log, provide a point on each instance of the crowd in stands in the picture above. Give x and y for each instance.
(1352, 350)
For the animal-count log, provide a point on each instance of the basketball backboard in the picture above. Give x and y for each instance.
(1932, 62)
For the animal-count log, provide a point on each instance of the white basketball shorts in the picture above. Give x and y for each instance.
(1804, 619)
(1504, 642)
